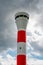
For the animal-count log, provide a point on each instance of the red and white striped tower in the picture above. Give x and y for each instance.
(21, 22)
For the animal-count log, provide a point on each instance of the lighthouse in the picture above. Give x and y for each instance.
(21, 20)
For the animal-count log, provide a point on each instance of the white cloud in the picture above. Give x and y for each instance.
(9, 60)
(32, 61)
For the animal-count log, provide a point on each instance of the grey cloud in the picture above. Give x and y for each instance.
(7, 37)
(0, 64)
(38, 33)
(31, 4)
(40, 10)
(8, 27)
(29, 34)
(40, 22)
(12, 5)
(37, 47)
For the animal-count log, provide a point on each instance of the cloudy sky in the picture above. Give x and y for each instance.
(8, 31)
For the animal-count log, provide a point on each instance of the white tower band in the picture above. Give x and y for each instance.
(21, 22)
